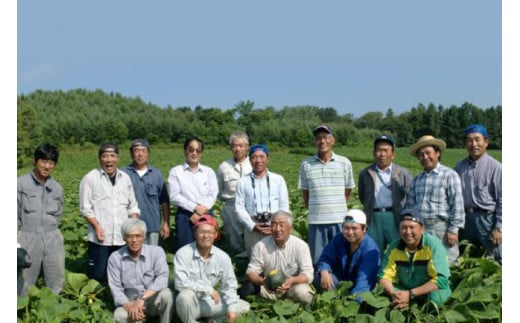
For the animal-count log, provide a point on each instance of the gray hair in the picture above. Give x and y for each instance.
(286, 214)
(131, 224)
(239, 135)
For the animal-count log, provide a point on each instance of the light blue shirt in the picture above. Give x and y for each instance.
(193, 272)
(383, 187)
(255, 195)
(189, 188)
(128, 278)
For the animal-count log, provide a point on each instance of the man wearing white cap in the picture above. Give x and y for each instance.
(437, 193)
(351, 255)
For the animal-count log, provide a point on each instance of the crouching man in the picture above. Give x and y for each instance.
(415, 268)
(280, 264)
(205, 279)
(138, 277)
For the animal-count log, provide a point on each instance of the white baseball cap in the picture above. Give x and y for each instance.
(355, 216)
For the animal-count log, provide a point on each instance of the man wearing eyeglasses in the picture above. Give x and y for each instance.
(351, 255)
(193, 190)
(415, 268)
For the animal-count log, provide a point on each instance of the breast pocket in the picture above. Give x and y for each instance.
(29, 201)
(151, 190)
(53, 206)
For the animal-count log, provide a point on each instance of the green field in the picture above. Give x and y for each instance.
(76, 161)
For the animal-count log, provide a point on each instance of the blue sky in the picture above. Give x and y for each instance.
(355, 56)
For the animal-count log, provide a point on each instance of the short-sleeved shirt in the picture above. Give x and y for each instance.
(293, 259)
(326, 183)
(150, 192)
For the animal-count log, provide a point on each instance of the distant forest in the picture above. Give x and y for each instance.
(80, 116)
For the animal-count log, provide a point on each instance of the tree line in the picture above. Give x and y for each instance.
(81, 116)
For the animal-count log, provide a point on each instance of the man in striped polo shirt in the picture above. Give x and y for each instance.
(326, 180)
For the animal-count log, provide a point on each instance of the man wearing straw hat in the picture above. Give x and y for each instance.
(437, 193)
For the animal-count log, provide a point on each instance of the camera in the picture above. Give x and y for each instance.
(264, 218)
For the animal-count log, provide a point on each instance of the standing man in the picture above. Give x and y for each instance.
(106, 199)
(193, 190)
(326, 181)
(204, 277)
(259, 194)
(481, 177)
(138, 277)
(437, 193)
(228, 175)
(383, 187)
(415, 268)
(350, 256)
(40, 207)
(150, 192)
(284, 253)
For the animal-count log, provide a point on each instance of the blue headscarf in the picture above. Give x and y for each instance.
(258, 147)
(476, 128)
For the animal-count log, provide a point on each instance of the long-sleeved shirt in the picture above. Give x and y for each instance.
(40, 205)
(229, 173)
(293, 259)
(438, 196)
(109, 204)
(256, 195)
(326, 183)
(128, 278)
(189, 188)
(194, 273)
(482, 184)
(429, 263)
(361, 267)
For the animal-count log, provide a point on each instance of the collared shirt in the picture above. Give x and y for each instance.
(326, 183)
(129, 278)
(361, 267)
(383, 187)
(193, 272)
(189, 188)
(256, 195)
(150, 192)
(429, 263)
(228, 174)
(109, 204)
(293, 259)
(40, 205)
(482, 184)
(438, 195)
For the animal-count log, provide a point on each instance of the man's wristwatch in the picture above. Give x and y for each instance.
(412, 295)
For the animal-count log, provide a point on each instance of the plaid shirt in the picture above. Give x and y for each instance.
(438, 195)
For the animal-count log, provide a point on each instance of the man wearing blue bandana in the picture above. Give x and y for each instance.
(481, 177)
(259, 195)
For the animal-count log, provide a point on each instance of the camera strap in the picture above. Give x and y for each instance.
(268, 193)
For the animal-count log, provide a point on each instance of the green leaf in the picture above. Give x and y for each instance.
(453, 316)
(397, 316)
(22, 302)
(306, 317)
(285, 307)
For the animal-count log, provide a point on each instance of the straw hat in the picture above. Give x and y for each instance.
(427, 141)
